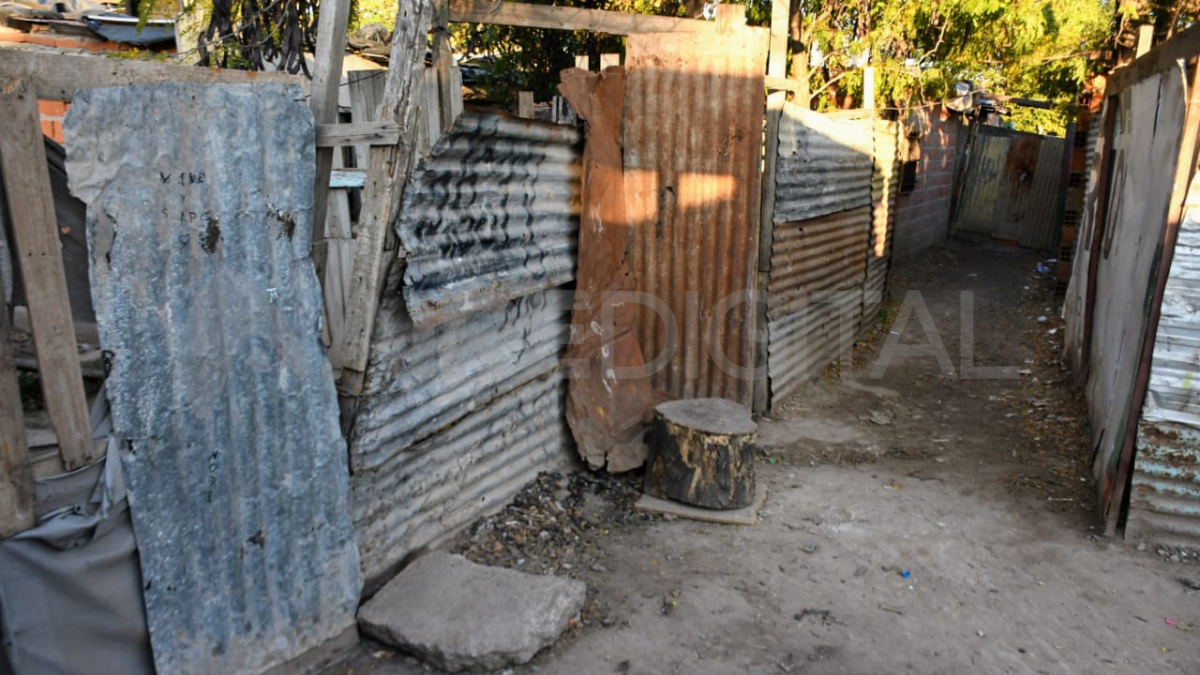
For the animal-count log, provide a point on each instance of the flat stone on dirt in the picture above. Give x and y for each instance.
(458, 615)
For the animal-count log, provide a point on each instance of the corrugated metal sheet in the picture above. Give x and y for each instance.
(802, 344)
(1149, 127)
(826, 253)
(693, 143)
(1074, 306)
(818, 268)
(473, 240)
(420, 496)
(1013, 187)
(1165, 501)
(885, 186)
(421, 380)
(199, 227)
(824, 165)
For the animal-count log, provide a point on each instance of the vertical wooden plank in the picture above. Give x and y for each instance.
(443, 64)
(730, 17)
(366, 93)
(776, 67)
(16, 477)
(327, 78)
(387, 177)
(1145, 38)
(35, 230)
(869, 88)
(525, 104)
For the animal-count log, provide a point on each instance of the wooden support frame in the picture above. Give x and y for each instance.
(383, 132)
(387, 176)
(56, 77)
(35, 230)
(327, 79)
(16, 474)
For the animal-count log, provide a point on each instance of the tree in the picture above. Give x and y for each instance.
(1030, 48)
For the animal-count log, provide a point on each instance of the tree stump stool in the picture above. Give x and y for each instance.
(702, 453)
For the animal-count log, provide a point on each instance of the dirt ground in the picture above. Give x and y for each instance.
(917, 522)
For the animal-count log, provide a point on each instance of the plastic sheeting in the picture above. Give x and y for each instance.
(70, 588)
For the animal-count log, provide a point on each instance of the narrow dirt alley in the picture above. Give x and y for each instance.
(916, 522)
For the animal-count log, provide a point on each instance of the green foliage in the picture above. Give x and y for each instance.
(367, 12)
(1027, 48)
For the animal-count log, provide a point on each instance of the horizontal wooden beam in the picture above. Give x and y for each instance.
(56, 77)
(781, 83)
(570, 18)
(347, 178)
(382, 132)
(1183, 47)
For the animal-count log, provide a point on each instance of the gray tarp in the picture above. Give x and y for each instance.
(70, 588)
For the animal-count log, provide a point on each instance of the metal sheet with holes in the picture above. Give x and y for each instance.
(692, 138)
(491, 216)
(208, 300)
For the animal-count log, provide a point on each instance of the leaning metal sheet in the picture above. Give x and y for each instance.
(207, 300)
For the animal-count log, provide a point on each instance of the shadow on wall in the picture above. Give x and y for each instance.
(923, 207)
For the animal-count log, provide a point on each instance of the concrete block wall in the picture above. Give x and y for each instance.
(923, 215)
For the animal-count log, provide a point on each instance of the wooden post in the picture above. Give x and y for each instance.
(776, 67)
(1145, 38)
(869, 88)
(443, 63)
(387, 177)
(730, 17)
(702, 453)
(35, 230)
(327, 79)
(16, 476)
(525, 105)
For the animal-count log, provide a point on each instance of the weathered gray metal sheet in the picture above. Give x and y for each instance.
(983, 184)
(1013, 187)
(491, 216)
(199, 228)
(1165, 500)
(422, 495)
(824, 165)
(1149, 127)
(421, 380)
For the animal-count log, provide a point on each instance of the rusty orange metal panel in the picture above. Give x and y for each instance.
(693, 141)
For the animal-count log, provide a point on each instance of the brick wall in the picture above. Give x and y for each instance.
(52, 113)
(923, 216)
